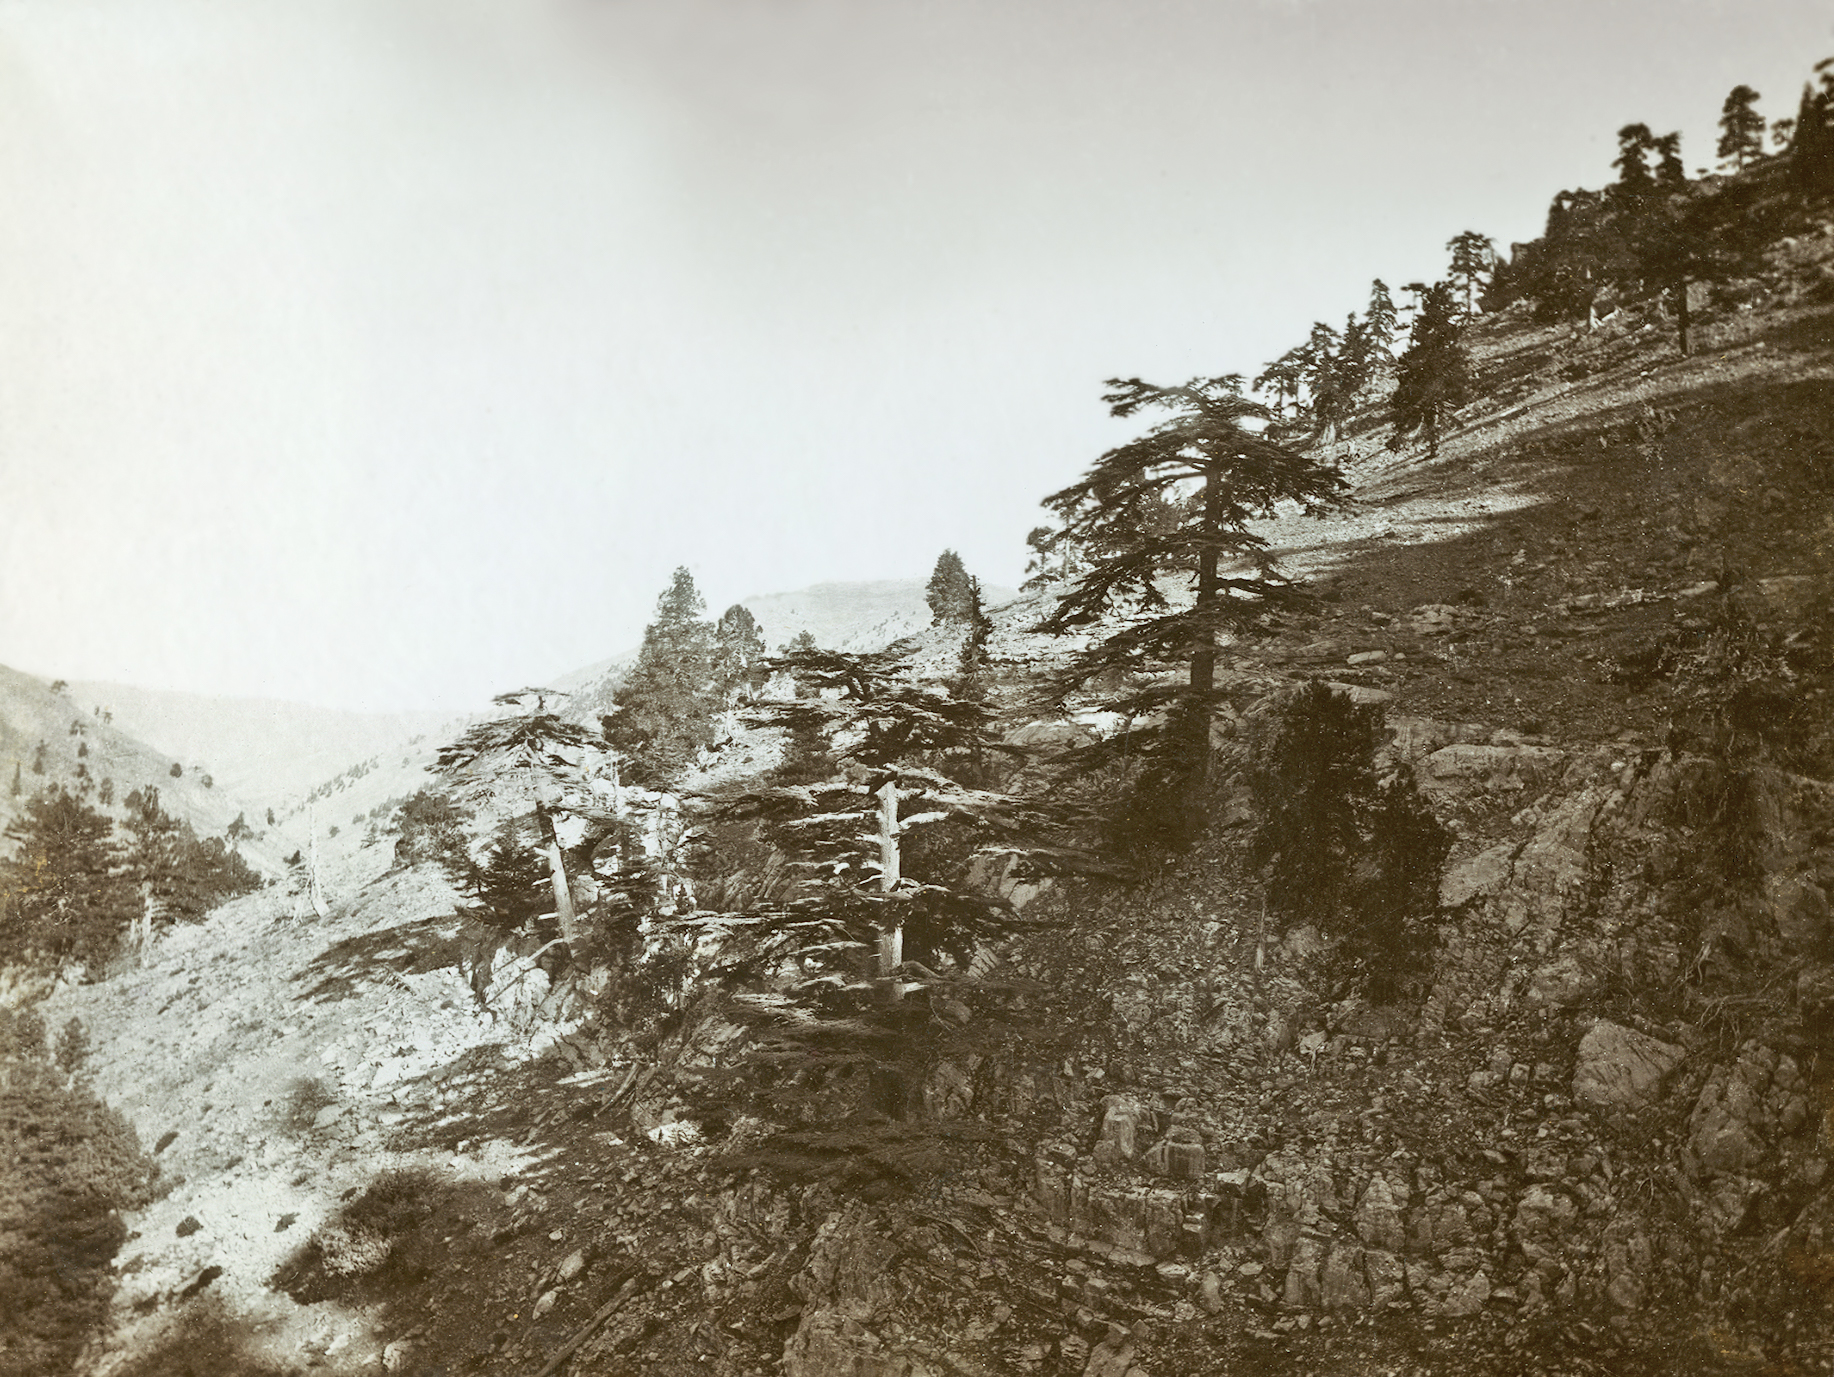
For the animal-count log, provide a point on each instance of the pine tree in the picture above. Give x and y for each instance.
(1209, 467)
(1635, 180)
(1671, 172)
(1473, 257)
(1435, 373)
(182, 876)
(738, 651)
(948, 589)
(664, 710)
(1741, 129)
(64, 895)
(1381, 316)
(1358, 857)
(1811, 148)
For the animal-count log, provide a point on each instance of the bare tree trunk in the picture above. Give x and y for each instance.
(313, 892)
(557, 876)
(891, 933)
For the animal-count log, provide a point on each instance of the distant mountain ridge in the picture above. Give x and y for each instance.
(263, 749)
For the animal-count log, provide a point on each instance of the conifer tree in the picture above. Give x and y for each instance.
(65, 894)
(664, 710)
(738, 651)
(1811, 148)
(539, 765)
(1741, 129)
(1210, 465)
(948, 592)
(1284, 376)
(1473, 256)
(1435, 372)
(1671, 173)
(1381, 317)
(1635, 180)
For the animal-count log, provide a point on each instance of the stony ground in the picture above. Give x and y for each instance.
(1173, 1156)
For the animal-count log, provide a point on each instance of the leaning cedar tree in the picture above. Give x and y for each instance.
(1177, 570)
(1435, 373)
(821, 961)
(530, 761)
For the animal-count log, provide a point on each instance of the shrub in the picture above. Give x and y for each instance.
(1359, 857)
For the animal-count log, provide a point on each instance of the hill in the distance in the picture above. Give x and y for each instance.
(77, 744)
(262, 749)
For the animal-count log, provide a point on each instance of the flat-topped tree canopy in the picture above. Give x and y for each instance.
(1172, 507)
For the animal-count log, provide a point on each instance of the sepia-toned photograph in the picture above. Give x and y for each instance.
(916, 688)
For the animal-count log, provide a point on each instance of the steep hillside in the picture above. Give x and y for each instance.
(1586, 1130)
(97, 756)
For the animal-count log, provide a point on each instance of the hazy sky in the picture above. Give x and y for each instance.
(389, 353)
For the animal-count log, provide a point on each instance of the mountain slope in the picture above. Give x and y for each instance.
(38, 726)
(260, 748)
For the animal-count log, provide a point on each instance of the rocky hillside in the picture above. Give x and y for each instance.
(1591, 1133)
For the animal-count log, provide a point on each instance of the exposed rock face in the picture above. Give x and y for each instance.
(1620, 1068)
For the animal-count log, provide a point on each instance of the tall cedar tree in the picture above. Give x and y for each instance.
(1209, 466)
(1381, 317)
(65, 894)
(1435, 372)
(738, 652)
(664, 710)
(878, 854)
(1741, 128)
(1473, 257)
(949, 591)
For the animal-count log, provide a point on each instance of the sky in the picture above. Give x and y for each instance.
(387, 354)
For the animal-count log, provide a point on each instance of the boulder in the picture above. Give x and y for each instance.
(1120, 1129)
(1620, 1068)
(1732, 1120)
(1482, 875)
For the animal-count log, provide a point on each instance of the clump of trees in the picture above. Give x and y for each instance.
(663, 713)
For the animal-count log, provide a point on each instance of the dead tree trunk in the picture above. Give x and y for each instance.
(891, 930)
(557, 876)
(314, 894)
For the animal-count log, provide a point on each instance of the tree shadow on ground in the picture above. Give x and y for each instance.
(345, 968)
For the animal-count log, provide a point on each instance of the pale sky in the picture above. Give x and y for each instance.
(390, 353)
